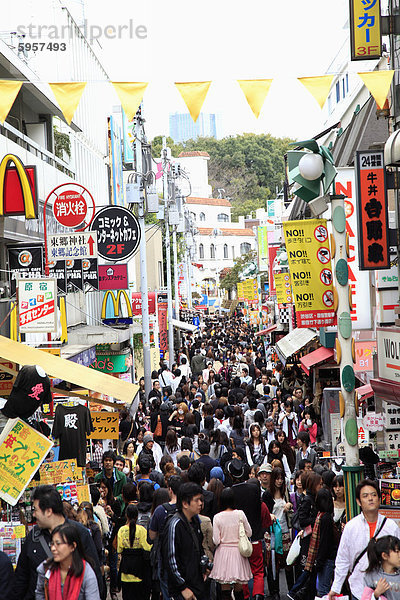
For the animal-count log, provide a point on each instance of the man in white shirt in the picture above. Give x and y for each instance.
(260, 386)
(352, 556)
(270, 433)
(165, 378)
(185, 367)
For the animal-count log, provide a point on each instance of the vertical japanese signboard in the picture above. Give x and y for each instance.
(37, 301)
(373, 235)
(162, 309)
(310, 268)
(365, 29)
(22, 450)
(283, 288)
(272, 251)
(240, 292)
(262, 248)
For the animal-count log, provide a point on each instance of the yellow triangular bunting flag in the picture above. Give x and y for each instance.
(130, 95)
(256, 91)
(68, 96)
(8, 92)
(194, 94)
(378, 83)
(318, 86)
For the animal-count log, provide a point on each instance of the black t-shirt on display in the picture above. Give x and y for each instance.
(30, 390)
(71, 425)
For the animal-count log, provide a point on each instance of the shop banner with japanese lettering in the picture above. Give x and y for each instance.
(272, 252)
(240, 292)
(60, 471)
(22, 450)
(365, 29)
(310, 269)
(283, 288)
(373, 233)
(262, 248)
(106, 425)
(37, 303)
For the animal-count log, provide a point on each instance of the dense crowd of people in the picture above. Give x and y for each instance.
(216, 488)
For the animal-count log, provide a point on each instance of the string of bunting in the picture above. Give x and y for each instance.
(130, 94)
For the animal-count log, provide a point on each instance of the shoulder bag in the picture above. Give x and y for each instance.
(245, 545)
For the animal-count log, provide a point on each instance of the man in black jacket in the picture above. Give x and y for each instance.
(184, 546)
(48, 511)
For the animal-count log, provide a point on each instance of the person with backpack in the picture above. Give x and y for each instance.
(146, 493)
(182, 552)
(132, 545)
(156, 528)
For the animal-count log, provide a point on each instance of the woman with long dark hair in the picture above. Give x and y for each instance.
(275, 453)
(133, 537)
(68, 574)
(238, 433)
(286, 449)
(256, 450)
(172, 445)
(281, 509)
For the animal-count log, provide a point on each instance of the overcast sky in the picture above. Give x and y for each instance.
(225, 40)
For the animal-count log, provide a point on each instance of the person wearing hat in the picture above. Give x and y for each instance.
(217, 473)
(150, 447)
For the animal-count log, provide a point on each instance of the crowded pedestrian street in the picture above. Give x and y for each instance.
(199, 300)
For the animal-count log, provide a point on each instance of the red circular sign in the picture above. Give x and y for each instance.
(70, 208)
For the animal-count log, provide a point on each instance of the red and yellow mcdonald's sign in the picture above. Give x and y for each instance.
(117, 308)
(18, 195)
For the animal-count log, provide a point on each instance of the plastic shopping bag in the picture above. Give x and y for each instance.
(294, 550)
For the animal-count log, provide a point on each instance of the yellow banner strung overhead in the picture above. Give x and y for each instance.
(309, 257)
(256, 91)
(318, 87)
(8, 92)
(130, 95)
(378, 84)
(68, 96)
(365, 29)
(283, 288)
(194, 94)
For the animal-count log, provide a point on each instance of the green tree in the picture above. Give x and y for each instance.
(156, 147)
(234, 275)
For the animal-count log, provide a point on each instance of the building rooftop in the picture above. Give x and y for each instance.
(224, 231)
(194, 153)
(209, 201)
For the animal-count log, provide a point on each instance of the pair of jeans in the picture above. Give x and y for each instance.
(163, 578)
(325, 578)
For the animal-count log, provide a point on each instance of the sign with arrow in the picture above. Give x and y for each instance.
(72, 246)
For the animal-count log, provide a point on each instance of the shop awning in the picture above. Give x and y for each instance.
(293, 342)
(365, 391)
(315, 358)
(387, 390)
(267, 330)
(184, 326)
(66, 370)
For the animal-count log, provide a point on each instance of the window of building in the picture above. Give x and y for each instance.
(201, 251)
(223, 217)
(245, 247)
(212, 251)
(193, 215)
(338, 91)
(329, 103)
(347, 82)
(233, 251)
(202, 216)
(225, 250)
(343, 87)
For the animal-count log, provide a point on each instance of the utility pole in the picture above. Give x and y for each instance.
(168, 252)
(143, 263)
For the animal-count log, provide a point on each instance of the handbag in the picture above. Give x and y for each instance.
(294, 551)
(245, 545)
(158, 429)
(277, 531)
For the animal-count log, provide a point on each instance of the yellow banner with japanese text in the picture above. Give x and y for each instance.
(309, 257)
(22, 450)
(283, 288)
(106, 425)
(60, 471)
(365, 29)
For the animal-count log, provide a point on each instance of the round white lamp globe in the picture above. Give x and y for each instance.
(311, 166)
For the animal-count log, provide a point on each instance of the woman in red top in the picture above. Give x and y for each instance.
(309, 424)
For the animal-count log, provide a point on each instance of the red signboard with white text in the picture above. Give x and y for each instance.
(137, 303)
(113, 277)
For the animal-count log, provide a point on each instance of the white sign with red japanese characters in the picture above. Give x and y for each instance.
(374, 421)
(37, 301)
(70, 246)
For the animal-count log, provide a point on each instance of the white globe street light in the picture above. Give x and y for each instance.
(311, 166)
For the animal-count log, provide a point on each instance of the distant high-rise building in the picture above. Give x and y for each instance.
(182, 127)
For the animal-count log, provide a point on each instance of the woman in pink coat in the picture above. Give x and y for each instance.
(230, 567)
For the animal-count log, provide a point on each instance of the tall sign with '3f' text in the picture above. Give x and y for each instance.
(365, 29)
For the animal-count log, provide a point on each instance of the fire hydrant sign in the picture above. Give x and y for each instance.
(70, 208)
(309, 257)
(37, 301)
(67, 246)
(22, 450)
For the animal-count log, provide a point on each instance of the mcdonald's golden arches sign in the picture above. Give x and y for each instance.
(18, 193)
